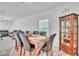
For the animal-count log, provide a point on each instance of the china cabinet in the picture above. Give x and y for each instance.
(68, 35)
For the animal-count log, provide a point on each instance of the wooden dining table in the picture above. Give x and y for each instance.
(39, 41)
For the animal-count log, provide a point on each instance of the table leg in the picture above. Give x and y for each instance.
(36, 50)
(38, 47)
(23, 52)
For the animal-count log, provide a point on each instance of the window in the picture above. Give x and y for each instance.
(44, 26)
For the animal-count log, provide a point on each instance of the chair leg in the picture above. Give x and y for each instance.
(23, 52)
(17, 47)
(1, 37)
(39, 53)
(15, 44)
(30, 53)
(20, 51)
(46, 53)
(51, 53)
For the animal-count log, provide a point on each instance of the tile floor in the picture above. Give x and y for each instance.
(7, 50)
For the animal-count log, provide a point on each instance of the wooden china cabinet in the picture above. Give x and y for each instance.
(68, 35)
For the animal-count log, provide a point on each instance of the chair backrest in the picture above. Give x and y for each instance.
(19, 41)
(21, 32)
(0, 33)
(4, 33)
(27, 32)
(43, 33)
(36, 32)
(11, 34)
(18, 31)
(50, 42)
(26, 44)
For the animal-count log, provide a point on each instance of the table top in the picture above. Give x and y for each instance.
(39, 37)
(35, 39)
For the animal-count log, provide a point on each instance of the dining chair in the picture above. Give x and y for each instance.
(17, 31)
(35, 32)
(17, 37)
(5, 33)
(11, 34)
(42, 33)
(0, 35)
(28, 34)
(48, 47)
(18, 43)
(26, 43)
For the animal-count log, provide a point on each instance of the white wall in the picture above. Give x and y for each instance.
(26, 24)
(5, 25)
(31, 22)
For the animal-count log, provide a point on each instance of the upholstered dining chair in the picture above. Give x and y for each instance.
(42, 33)
(35, 32)
(48, 47)
(26, 43)
(0, 35)
(28, 34)
(18, 43)
(11, 34)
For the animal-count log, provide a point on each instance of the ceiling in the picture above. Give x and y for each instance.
(16, 10)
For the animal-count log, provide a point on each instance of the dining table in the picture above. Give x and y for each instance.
(39, 41)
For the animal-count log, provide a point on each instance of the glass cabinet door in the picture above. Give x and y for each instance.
(75, 33)
(63, 27)
(68, 26)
